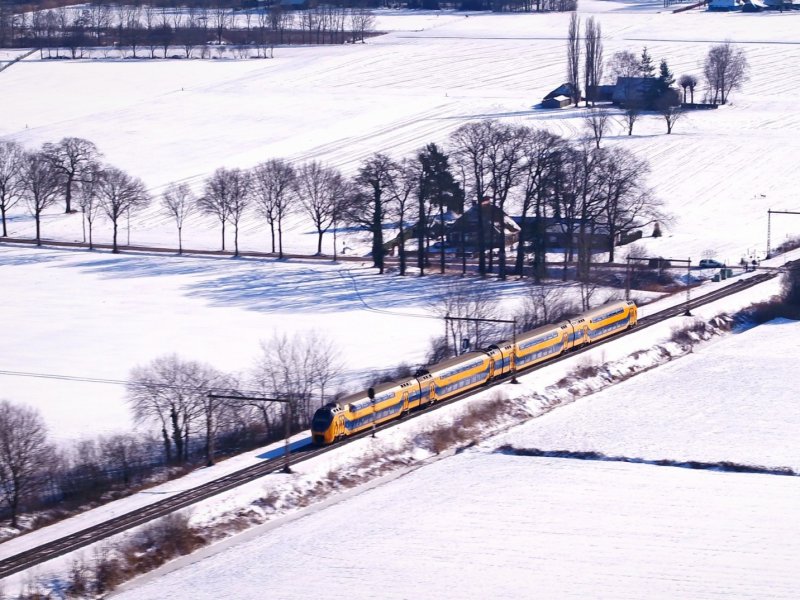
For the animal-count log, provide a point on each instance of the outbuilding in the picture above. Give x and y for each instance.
(556, 102)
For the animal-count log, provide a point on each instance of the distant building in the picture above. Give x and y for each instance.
(557, 102)
(556, 235)
(725, 5)
(643, 92)
(565, 89)
(498, 228)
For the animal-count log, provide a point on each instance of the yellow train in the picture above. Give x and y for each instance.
(393, 400)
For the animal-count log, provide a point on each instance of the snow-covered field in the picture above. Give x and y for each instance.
(718, 173)
(97, 316)
(482, 524)
(488, 524)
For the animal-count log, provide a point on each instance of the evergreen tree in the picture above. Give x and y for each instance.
(665, 77)
(440, 189)
(646, 68)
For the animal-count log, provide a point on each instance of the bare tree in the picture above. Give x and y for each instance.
(686, 82)
(219, 195)
(12, 158)
(574, 56)
(403, 188)
(506, 152)
(165, 31)
(630, 115)
(170, 392)
(121, 194)
(471, 152)
(222, 20)
(543, 304)
(624, 64)
(597, 121)
(239, 202)
(362, 21)
(70, 157)
(725, 69)
(23, 454)
(472, 299)
(670, 113)
(179, 202)
(368, 204)
(297, 369)
(89, 198)
(209, 408)
(627, 202)
(273, 187)
(40, 186)
(593, 66)
(318, 189)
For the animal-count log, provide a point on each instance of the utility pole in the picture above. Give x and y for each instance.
(771, 212)
(287, 418)
(477, 320)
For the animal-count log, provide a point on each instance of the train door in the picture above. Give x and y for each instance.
(404, 409)
(432, 393)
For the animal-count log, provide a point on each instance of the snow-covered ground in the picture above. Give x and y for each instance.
(94, 315)
(89, 315)
(536, 390)
(718, 173)
(488, 524)
(483, 524)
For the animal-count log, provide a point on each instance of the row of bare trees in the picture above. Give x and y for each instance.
(184, 399)
(145, 29)
(36, 474)
(62, 171)
(181, 422)
(533, 172)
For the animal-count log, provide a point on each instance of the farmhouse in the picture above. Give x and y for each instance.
(498, 228)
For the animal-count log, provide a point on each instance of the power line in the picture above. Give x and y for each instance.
(126, 383)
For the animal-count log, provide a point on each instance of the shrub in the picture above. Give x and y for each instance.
(790, 244)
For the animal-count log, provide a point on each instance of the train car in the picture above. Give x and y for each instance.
(541, 344)
(364, 409)
(607, 320)
(455, 375)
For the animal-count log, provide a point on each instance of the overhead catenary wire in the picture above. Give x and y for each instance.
(124, 382)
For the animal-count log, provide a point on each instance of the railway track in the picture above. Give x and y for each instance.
(29, 558)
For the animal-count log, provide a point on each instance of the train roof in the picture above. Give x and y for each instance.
(377, 389)
(606, 307)
(456, 360)
(527, 335)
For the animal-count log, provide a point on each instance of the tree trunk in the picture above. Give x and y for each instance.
(272, 234)
(401, 248)
(114, 246)
(441, 232)
(209, 442)
(223, 236)
(38, 235)
(167, 445)
(280, 240)
(180, 241)
(421, 227)
(5, 232)
(177, 435)
(319, 242)
(68, 194)
(236, 239)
